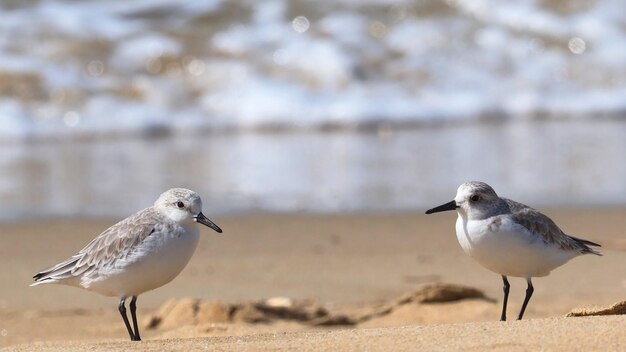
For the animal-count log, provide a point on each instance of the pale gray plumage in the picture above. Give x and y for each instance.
(510, 238)
(116, 243)
(138, 254)
(550, 233)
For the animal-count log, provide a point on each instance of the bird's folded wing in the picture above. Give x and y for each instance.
(116, 242)
(549, 232)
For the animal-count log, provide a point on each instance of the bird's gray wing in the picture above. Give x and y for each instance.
(114, 243)
(550, 233)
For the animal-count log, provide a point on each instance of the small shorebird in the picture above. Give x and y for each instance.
(138, 254)
(510, 238)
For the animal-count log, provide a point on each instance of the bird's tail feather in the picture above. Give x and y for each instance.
(56, 273)
(43, 281)
(586, 245)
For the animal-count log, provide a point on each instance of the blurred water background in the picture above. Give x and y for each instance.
(314, 106)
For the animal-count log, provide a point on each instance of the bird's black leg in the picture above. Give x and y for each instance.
(122, 309)
(529, 293)
(133, 313)
(506, 287)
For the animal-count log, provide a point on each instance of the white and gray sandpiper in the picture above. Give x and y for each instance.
(138, 254)
(510, 238)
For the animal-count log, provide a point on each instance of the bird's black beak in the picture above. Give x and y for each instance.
(444, 207)
(205, 221)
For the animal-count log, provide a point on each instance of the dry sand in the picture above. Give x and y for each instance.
(345, 265)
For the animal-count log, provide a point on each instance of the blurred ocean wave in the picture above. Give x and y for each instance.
(99, 68)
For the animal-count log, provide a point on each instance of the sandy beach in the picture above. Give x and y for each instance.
(342, 264)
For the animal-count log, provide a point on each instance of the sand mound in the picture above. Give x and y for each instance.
(615, 309)
(440, 293)
(187, 311)
(430, 293)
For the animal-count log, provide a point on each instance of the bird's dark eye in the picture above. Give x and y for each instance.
(180, 205)
(474, 198)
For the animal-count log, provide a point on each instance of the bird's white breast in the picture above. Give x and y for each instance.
(508, 248)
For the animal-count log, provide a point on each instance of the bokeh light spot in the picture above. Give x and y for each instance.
(95, 68)
(300, 24)
(71, 118)
(378, 29)
(195, 67)
(577, 45)
(280, 57)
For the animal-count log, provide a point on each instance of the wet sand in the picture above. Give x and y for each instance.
(339, 261)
